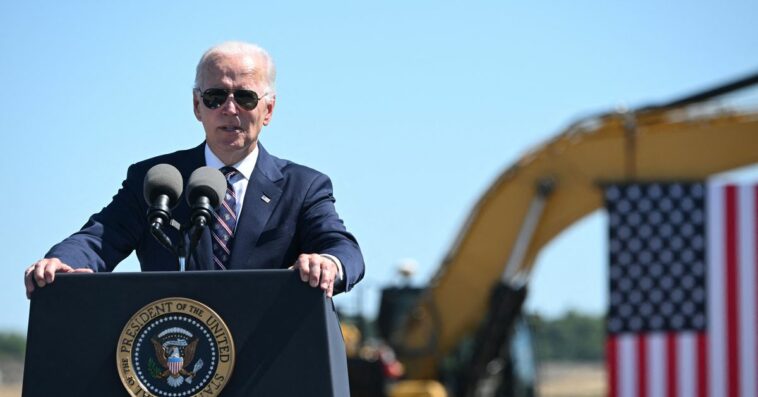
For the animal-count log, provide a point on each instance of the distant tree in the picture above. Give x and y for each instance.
(12, 346)
(572, 337)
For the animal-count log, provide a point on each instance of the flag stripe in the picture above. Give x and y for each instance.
(612, 366)
(732, 291)
(686, 369)
(715, 281)
(627, 364)
(747, 315)
(642, 374)
(702, 377)
(673, 365)
(754, 243)
(657, 359)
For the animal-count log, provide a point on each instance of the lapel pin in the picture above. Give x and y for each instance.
(265, 199)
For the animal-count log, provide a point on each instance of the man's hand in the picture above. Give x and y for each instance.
(318, 271)
(43, 272)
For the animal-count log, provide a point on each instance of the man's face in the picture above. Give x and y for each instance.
(230, 130)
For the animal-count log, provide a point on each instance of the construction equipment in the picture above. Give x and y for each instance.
(461, 328)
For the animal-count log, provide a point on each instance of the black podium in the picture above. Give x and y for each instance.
(90, 334)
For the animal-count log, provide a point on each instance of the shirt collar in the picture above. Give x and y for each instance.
(245, 167)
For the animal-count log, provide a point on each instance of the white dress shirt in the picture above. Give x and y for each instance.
(239, 180)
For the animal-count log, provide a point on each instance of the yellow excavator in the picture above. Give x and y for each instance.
(463, 334)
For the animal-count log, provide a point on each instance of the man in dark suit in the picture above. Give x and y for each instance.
(276, 214)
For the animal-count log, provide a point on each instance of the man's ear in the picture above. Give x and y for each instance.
(196, 104)
(269, 110)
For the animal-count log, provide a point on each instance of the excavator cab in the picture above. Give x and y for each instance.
(497, 360)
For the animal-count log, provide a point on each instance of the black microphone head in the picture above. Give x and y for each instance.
(163, 179)
(206, 182)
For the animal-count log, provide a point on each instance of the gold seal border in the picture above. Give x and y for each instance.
(175, 305)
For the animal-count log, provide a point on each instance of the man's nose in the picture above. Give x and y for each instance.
(230, 106)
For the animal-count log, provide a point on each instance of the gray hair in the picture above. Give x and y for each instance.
(239, 48)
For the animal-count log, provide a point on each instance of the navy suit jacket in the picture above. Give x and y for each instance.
(298, 217)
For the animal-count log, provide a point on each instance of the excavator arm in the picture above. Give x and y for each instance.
(551, 188)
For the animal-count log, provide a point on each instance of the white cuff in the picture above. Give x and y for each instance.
(336, 262)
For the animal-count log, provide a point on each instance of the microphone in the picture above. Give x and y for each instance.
(205, 190)
(162, 189)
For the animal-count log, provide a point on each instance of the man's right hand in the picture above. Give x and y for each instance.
(42, 273)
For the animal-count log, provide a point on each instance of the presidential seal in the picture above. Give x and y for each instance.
(175, 347)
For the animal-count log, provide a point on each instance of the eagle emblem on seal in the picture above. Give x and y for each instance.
(175, 350)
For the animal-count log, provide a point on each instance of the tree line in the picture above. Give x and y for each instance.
(12, 346)
(572, 337)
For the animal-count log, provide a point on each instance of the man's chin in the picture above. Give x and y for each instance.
(231, 149)
(228, 145)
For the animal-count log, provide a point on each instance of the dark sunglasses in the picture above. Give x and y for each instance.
(213, 98)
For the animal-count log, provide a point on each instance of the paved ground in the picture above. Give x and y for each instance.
(556, 380)
(561, 379)
(10, 391)
(11, 373)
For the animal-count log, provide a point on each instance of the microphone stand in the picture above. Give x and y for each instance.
(194, 236)
(182, 253)
(156, 229)
(201, 216)
(200, 219)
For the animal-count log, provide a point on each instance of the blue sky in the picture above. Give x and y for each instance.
(413, 109)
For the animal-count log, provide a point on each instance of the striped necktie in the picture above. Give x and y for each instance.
(224, 223)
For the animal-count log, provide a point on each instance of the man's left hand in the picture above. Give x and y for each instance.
(318, 271)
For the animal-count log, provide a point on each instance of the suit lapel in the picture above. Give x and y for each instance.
(261, 198)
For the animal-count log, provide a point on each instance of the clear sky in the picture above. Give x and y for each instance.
(412, 107)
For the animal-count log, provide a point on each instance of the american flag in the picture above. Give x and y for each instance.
(682, 318)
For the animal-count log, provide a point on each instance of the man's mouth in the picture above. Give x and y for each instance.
(230, 128)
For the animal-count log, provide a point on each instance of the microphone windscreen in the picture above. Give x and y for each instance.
(208, 182)
(163, 179)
